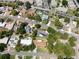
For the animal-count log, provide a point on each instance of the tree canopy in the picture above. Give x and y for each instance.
(65, 3)
(2, 47)
(28, 5)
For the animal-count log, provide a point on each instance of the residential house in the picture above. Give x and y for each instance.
(13, 41)
(9, 24)
(4, 40)
(28, 29)
(26, 41)
(70, 27)
(71, 4)
(62, 9)
(42, 33)
(40, 43)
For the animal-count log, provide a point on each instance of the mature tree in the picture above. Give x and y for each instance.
(76, 13)
(19, 3)
(58, 24)
(77, 23)
(14, 12)
(67, 20)
(64, 36)
(69, 51)
(18, 46)
(28, 5)
(21, 29)
(1, 4)
(29, 47)
(58, 49)
(78, 1)
(51, 30)
(65, 3)
(37, 26)
(72, 41)
(5, 56)
(34, 34)
(49, 1)
(52, 38)
(2, 47)
(38, 18)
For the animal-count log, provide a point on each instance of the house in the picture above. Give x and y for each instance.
(2, 24)
(26, 41)
(53, 3)
(4, 40)
(40, 43)
(13, 41)
(62, 9)
(9, 25)
(44, 17)
(28, 29)
(42, 33)
(69, 27)
(22, 12)
(44, 26)
(2, 8)
(71, 4)
(38, 3)
(31, 12)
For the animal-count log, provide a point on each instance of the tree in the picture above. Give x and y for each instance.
(19, 3)
(37, 26)
(49, 1)
(18, 46)
(58, 24)
(64, 36)
(5, 56)
(14, 12)
(1, 4)
(67, 20)
(78, 1)
(72, 41)
(34, 34)
(77, 23)
(28, 5)
(38, 18)
(65, 3)
(69, 51)
(2, 47)
(52, 38)
(51, 30)
(21, 29)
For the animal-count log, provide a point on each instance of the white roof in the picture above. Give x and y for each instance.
(4, 40)
(1, 8)
(26, 41)
(2, 24)
(53, 3)
(71, 4)
(62, 9)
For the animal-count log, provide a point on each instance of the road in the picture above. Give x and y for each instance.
(63, 14)
(23, 53)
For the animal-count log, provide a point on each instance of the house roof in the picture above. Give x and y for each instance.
(4, 40)
(40, 43)
(26, 41)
